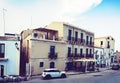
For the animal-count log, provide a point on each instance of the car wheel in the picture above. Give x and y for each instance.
(63, 76)
(48, 77)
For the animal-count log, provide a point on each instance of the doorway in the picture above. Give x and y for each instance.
(1, 70)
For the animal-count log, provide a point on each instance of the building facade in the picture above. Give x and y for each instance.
(107, 43)
(80, 46)
(40, 50)
(117, 57)
(9, 56)
(102, 57)
(99, 56)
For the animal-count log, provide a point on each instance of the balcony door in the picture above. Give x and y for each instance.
(1, 70)
(76, 36)
(69, 51)
(75, 52)
(52, 50)
(69, 34)
(52, 65)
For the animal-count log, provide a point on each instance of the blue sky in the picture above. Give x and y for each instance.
(99, 16)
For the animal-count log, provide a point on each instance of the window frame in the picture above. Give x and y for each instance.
(2, 50)
(41, 64)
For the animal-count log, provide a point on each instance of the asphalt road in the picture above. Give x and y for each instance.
(108, 76)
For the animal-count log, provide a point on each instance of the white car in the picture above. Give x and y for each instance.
(53, 72)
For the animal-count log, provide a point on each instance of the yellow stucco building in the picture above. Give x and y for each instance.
(80, 46)
(41, 49)
(58, 45)
(105, 42)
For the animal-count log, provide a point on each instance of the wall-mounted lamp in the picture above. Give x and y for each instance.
(16, 45)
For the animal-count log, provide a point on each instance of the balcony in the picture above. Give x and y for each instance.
(89, 56)
(82, 41)
(76, 56)
(52, 55)
(3, 59)
(90, 44)
(75, 41)
(70, 55)
(81, 55)
(51, 38)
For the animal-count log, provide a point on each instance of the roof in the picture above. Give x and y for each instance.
(77, 27)
(45, 30)
(8, 38)
(105, 37)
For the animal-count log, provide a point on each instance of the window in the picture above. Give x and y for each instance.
(81, 37)
(75, 51)
(52, 65)
(69, 51)
(90, 51)
(76, 35)
(101, 42)
(112, 39)
(81, 52)
(69, 34)
(86, 52)
(87, 40)
(90, 40)
(52, 50)
(108, 44)
(2, 50)
(41, 64)
(35, 35)
(2, 70)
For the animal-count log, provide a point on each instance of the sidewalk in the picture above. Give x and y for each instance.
(77, 73)
(74, 73)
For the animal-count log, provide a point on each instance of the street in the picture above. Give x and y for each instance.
(108, 76)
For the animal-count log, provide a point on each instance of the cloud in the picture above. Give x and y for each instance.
(42, 12)
(72, 8)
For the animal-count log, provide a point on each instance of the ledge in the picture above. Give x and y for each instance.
(3, 59)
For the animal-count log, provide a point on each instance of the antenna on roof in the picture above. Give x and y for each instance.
(4, 19)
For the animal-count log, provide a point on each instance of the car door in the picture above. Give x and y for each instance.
(58, 73)
(53, 73)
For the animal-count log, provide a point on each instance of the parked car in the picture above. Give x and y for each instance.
(115, 66)
(53, 73)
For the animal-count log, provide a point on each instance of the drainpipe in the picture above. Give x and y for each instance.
(29, 70)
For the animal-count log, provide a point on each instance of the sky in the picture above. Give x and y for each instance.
(99, 16)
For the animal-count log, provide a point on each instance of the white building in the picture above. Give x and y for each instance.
(99, 56)
(102, 57)
(108, 44)
(9, 55)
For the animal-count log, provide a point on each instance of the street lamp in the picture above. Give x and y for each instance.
(16, 45)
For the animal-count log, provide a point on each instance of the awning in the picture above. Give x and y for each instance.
(85, 60)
